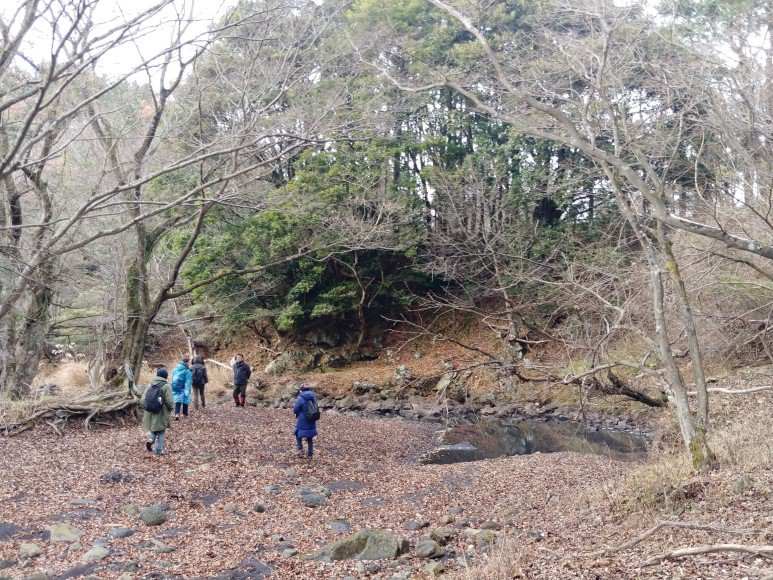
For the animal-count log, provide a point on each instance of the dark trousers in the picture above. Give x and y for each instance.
(309, 440)
(198, 393)
(240, 395)
(177, 408)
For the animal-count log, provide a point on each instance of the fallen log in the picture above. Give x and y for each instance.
(103, 403)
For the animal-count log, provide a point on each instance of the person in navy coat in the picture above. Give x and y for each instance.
(305, 428)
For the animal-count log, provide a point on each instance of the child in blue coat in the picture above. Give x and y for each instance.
(182, 379)
(304, 427)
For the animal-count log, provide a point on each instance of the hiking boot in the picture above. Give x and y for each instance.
(176, 417)
(299, 452)
(149, 445)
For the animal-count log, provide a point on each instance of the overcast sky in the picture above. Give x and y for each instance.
(110, 13)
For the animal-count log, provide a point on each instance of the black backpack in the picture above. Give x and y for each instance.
(311, 412)
(198, 375)
(154, 399)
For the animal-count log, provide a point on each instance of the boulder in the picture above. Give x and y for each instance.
(153, 515)
(364, 545)
(428, 549)
(289, 553)
(64, 533)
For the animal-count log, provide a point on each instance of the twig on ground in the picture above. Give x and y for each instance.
(659, 526)
(765, 551)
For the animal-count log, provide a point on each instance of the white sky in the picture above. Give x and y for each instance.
(110, 13)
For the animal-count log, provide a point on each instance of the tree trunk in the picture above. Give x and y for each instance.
(32, 335)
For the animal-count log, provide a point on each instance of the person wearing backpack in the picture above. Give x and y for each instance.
(199, 378)
(181, 387)
(306, 410)
(157, 401)
(242, 372)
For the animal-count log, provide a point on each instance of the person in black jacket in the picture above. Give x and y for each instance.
(200, 378)
(242, 372)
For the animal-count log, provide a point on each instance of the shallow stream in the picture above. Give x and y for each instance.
(490, 438)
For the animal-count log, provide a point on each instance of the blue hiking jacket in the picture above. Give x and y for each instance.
(304, 427)
(182, 378)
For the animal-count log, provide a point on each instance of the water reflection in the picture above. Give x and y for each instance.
(487, 439)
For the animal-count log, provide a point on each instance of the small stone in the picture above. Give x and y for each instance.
(291, 473)
(434, 568)
(6, 564)
(485, 538)
(84, 501)
(272, 489)
(37, 576)
(289, 553)
(313, 500)
(64, 533)
(535, 535)
(743, 484)
(103, 542)
(442, 535)
(259, 508)
(456, 510)
(153, 515)
(339, 526)
(95, 555)
(446, 520)
(231, 507)
(277, 538)
(360, 568)
(117, 533)
(30, 551)
(412, 526)
(74, 547)
(131, 509)
(161, 547)
(490, 526)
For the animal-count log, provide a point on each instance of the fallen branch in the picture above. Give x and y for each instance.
(659, 526)
(733, 391)
(766, 551)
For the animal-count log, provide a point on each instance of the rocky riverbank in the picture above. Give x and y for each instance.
(435, 400)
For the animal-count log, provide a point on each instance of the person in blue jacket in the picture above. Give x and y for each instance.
(182, 379)
(304, 427)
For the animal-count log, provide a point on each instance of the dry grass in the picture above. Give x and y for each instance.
(505, 562)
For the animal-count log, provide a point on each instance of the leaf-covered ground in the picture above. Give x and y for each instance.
(221, 462)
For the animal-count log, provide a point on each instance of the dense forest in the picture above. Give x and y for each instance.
(589, 181)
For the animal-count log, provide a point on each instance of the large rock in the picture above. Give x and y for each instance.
(64, 533)
(428, 549)
(154, 515)
(364, 545)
